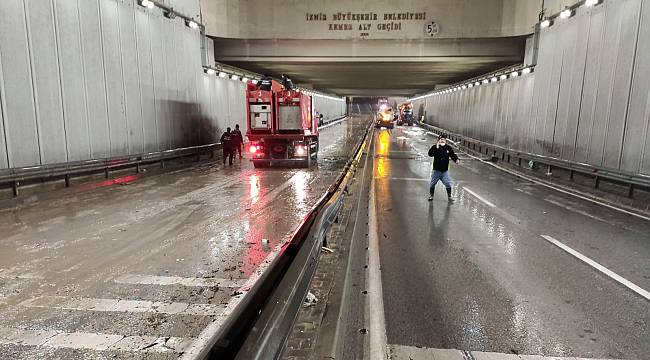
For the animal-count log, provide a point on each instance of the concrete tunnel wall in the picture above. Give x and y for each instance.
(587, 101)
(99, 78)
(88, 79)
(330, 108)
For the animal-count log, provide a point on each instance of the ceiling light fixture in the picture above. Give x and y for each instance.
(566, 13)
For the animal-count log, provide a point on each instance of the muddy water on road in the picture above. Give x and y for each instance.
(140, 269)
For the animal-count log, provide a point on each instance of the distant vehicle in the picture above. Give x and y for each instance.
(385, 117)
(405, 114)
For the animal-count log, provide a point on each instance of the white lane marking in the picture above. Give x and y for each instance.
(25, 337)
(486, 202)
(93, 341)
(115, 305)
(405, 352)
(83, 341)
(136, 279)
(205, 337)
(637, 289)
(573, 209)
(571, 192)
(377, 319)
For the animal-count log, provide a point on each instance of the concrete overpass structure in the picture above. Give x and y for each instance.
(372, 67)
(371, 47)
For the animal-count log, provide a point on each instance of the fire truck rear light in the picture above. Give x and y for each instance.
(253, 149)
(300, 150)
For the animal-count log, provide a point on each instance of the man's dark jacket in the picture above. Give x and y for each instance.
(226, 141)
(441, 155)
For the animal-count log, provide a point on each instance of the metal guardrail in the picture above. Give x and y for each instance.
(619, 177)
(261, 324)
(65, 171)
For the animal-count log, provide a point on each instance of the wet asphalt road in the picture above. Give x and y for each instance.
(477, 275)
(139, 269)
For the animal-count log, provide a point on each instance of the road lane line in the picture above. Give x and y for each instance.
(637, 289)
(377, 319)
(136, 279)
(115, 305)
(575, 210)
(205, 337)
(479, 197)
(93, 341)
(571, 192)
(406, 352)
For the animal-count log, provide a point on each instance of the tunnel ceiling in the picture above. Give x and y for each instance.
(372, 68)
(376, 79)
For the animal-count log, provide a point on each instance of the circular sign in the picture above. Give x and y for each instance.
(432, 28)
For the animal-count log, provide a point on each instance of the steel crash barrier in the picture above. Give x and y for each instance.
(66, 171)
(631, 180)
(258, 328)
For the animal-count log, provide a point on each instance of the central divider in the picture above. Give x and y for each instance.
(261, 323)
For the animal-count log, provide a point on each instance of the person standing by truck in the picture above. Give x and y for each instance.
(227, 145)
(237, 141)
(265, 83)
(441, 152)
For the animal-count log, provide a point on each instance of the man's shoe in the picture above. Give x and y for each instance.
(431, 198)
(451, 200)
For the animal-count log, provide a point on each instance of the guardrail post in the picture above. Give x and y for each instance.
(14, 188)
(549, 171)
(596, 182)
(508, 158)
(67, 180)
(162, 164)
(137, 168)
(519, 162)
(107, 173)
(571, 175)
(630, 191)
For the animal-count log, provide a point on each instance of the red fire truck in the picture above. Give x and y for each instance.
(281, 127)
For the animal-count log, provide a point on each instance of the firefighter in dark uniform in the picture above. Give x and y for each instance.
(441, 152)
(265, 83)
(286, 82)
(227, 145)
(237, 141)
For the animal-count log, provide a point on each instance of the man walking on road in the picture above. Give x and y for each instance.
(237, 141)
(227, 145)
(441, 152)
